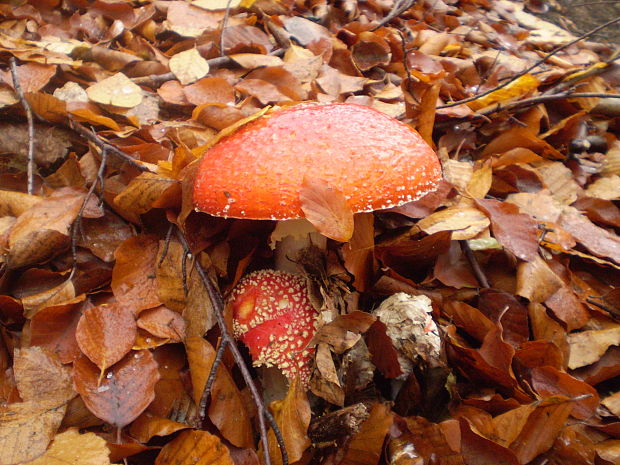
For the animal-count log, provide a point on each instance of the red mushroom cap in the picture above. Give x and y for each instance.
(274, 318)
(257, 172)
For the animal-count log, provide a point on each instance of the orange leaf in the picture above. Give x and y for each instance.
(106, 333)
(366, 446)
(124, 393)
(194, 448)
(327, 209)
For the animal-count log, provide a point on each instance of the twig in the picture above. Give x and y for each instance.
(224, 24)
(28, 110)
(77, 224)
(530, 68)
(399, 7)
(219, 355)
(543, 99)
(95, 139)
(263, 413)
(154, 80)
(406, 65)
(475, 266)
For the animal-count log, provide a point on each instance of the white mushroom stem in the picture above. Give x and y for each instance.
(289, 238)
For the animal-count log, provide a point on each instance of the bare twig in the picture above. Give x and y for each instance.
(219, 355)
(30, 119)
(406, 65)
(475, 266)
(98, 141)
(264, 415)
(224, 24)
(530, 68)
(528, 102)
(400, 6)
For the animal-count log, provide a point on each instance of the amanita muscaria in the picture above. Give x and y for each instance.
(274, 317)
(258, 172)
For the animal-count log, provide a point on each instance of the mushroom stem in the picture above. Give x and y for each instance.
(291, 237)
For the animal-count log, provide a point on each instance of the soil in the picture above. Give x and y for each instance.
(580, 16)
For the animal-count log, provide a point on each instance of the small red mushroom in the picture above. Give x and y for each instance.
(274, 318)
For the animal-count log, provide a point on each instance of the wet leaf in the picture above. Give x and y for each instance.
(106, 333)
(41, 377)
(123, 393)
(327, 209)
(71, 447)
(194, 448)
(366, 446)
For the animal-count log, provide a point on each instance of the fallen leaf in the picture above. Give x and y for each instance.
(587, 347)
(464, 222)
(188, 66)
(106, 333)
(41, 377)
(73, 448)
(194, 448)
(327, 209)
(163, 322)
(117, 90)
(366, 445)
(123, 393)
(358, 251)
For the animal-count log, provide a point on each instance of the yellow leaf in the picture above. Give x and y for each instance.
(517, 88)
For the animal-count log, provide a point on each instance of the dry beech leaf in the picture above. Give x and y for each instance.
(198, 314)
(40, 376)
(163, 322)
(188, 66)
(169, 273)
(464, 222)
(123, 394)
(106, 333)
(327, 209)
(134, 282)
(481, 181)
(54, 329)
(16, 203)
(516, 88)
(548, 381)
(358, 252)
(293, 417)
(36, 247)
(516, 232)
(226, 410)
(139, 196)
(117, 90)
(366, 445)
(597, 240)
(73, 448)
(194, 448)
(26, 429)
(536, 281)
(148, 425)
(588, 347)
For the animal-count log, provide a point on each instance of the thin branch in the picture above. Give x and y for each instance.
(530, 68)
(528, 102)
(77, 224)
(224, 24)
(29, 117)
(475, 266)
(98, 141)
(399, 8)
(264, 415)
(219, 355)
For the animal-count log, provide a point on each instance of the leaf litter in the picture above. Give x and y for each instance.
(105, 321)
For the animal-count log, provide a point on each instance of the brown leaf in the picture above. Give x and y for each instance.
(71, 447)
(227, 410)
(464, 222)
(106, 333)
(515, 231)
(327, 209)
(548, 381)
(597, 240)
(194, 448)
(125, 391)
(142, 192)
(587, 347)
(210, 90)
(384, 355)
(41, 377)
(358, 251)
(163, 322)
(169, 273)
(26, 429)
(133, 276)
(536, 281)
(477, 450)
(102, 236)
(293, 417)
(541, 429)
(148, 425)
(54, 329)
(366, 446)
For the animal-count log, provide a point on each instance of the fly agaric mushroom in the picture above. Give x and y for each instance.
(274, 318)
(258, 172)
